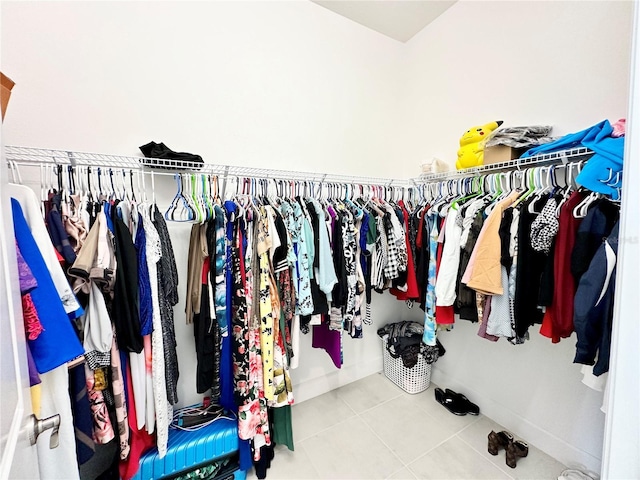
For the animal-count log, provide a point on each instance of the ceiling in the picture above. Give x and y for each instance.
(398, 19)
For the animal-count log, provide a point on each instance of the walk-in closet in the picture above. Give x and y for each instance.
(315, 239)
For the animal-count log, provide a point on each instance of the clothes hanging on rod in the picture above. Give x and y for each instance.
(522, 248)
(255, 295)
(56, 343)
(281, 254)
(105, 238)
(265, 266)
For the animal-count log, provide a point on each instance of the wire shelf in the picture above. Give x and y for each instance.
(43, 156)
(564, 156)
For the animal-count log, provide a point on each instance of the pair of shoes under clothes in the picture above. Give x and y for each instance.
(514, 449)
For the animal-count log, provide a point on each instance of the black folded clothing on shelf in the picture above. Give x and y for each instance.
(176, 160)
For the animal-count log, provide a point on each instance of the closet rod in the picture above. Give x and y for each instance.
(41, 156)
(564, 156)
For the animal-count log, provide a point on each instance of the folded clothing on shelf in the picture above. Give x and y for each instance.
(179, 159)
(520, 137)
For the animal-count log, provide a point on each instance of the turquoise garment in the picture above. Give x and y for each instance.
(304, 302)
(326, 274)
(429, 335)
(289, 220)
(603, 171)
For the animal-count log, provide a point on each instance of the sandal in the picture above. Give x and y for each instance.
(464, 402)
(449, 402)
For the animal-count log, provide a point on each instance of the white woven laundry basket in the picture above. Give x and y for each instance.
(411, 380)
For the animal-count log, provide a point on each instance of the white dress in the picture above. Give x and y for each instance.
(163, 408)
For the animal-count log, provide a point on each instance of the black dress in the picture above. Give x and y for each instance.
(126, 316)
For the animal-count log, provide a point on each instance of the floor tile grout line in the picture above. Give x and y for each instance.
(355, 415)
(399, 470)
(406, 465)
(346, 403)
(448, 439)
(384, 402)
(401, 394)
(311, 461)
(431, 449)
(376, 406)
(476, 420)
(385, 444)
(372, 431)
(486, 459)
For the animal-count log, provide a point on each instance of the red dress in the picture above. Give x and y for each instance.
(558, 319)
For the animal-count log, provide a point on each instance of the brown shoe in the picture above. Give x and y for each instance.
(515, 450)
(498, 440)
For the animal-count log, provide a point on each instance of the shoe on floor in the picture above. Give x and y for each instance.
(465, 403)
(451, 403)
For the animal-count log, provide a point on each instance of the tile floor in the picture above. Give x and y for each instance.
(372, 429)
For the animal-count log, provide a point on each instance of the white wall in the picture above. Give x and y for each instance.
(292, 85)
(564, 64)
(286, 85)
(277, 84)
(559, 63)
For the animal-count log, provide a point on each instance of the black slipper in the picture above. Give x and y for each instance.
(465, 404)
(451, 403)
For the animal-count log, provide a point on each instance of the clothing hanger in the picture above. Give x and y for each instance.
(580, 210)
(467, 194)
(216, 191)
(530, 184)
(568, 188)
(141, 181)
(540, 190)
(112, 193)
(195, 197)
(12, 172)
(98, 174)
(97, 178)
(79, 199)
(116, 186)
(71, 189)
(133, 190)
(244, 201)
(16, 172)
(441, 198)
(88, 186)
(42, 189)
(205, 195)
(188, 186)
(179, 210)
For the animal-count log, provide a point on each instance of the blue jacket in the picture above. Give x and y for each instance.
(593, 312)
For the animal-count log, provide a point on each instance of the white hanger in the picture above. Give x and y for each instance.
(580, 210)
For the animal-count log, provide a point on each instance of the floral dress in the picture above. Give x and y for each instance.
(429, 335)
(253, 422)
